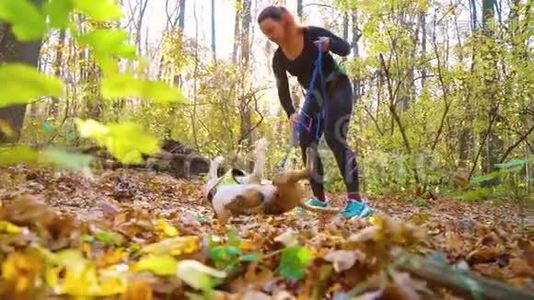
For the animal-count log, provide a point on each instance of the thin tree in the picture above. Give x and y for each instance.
(12, 50)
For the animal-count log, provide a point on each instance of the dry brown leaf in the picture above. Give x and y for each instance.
(344, 259)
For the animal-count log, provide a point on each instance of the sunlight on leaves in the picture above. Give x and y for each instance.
(126, 85)
(294, 262)
(125, 141)
(27, 22)
(162, 265)
(22, 83)
(100, 10)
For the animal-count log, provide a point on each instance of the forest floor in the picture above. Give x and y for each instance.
(144, 221)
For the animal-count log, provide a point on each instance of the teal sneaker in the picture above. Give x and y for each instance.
(356, 209)
(313, 202)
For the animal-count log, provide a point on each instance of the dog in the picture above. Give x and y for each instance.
(238, 193)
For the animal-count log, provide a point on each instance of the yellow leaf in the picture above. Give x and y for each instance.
(21, 269)
(174, 246)
(80, 277)
(8, 227)
(197, 275)
(162, 265)
(164, 229)
(138, 290)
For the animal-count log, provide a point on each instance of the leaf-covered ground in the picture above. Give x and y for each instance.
(130, 234)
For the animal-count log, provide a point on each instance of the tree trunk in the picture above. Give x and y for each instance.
(494, 142)
(139, 24)
(245, 34)
(299, 9)
(345, 30)
(12, 50)
(181, 18)
(58, 60)
(245, 109)
(488, 13)
(236, 30)
(213, 36)
(422, 21)
(356, 34)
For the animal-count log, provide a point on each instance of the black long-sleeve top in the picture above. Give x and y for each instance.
(303, 65)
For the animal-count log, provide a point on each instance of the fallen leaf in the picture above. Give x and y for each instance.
(344, 259)
(197, 275)
(162, 265)
(174, 246)
(138, 290)
(289, 238)
(294, 262)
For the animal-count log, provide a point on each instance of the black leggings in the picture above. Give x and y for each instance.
(334, 125)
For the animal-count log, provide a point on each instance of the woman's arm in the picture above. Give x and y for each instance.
(337, 45)
(282, 85)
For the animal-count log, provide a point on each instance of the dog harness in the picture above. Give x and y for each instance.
(230, 177)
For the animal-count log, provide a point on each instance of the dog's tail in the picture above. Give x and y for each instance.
(214, 167)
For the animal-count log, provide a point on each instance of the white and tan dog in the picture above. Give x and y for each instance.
(250, 194)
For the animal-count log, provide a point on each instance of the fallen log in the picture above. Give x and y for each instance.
(174, 158)
(465, 284)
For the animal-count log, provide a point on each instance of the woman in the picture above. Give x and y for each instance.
(297, 52)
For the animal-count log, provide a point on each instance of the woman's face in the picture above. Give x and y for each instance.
(274, 30)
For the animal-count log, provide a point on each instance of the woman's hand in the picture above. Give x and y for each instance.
(323, 43)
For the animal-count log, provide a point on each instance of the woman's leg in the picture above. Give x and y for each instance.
(338, 111)
(308, 137)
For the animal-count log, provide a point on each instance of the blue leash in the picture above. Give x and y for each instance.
(317, 71)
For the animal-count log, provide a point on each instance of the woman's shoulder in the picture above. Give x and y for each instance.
(315, 30)
(278, 55)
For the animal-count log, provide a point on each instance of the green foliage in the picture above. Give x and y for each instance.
(510, 181)
(126, 85)
(294, 262)
(26, 20)
(63, 159)
(126, 141)
(99, 10)
(18, 154)
(22, 84)
(228, 256)
(58, 11)
(109, 44)
(478, 194)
